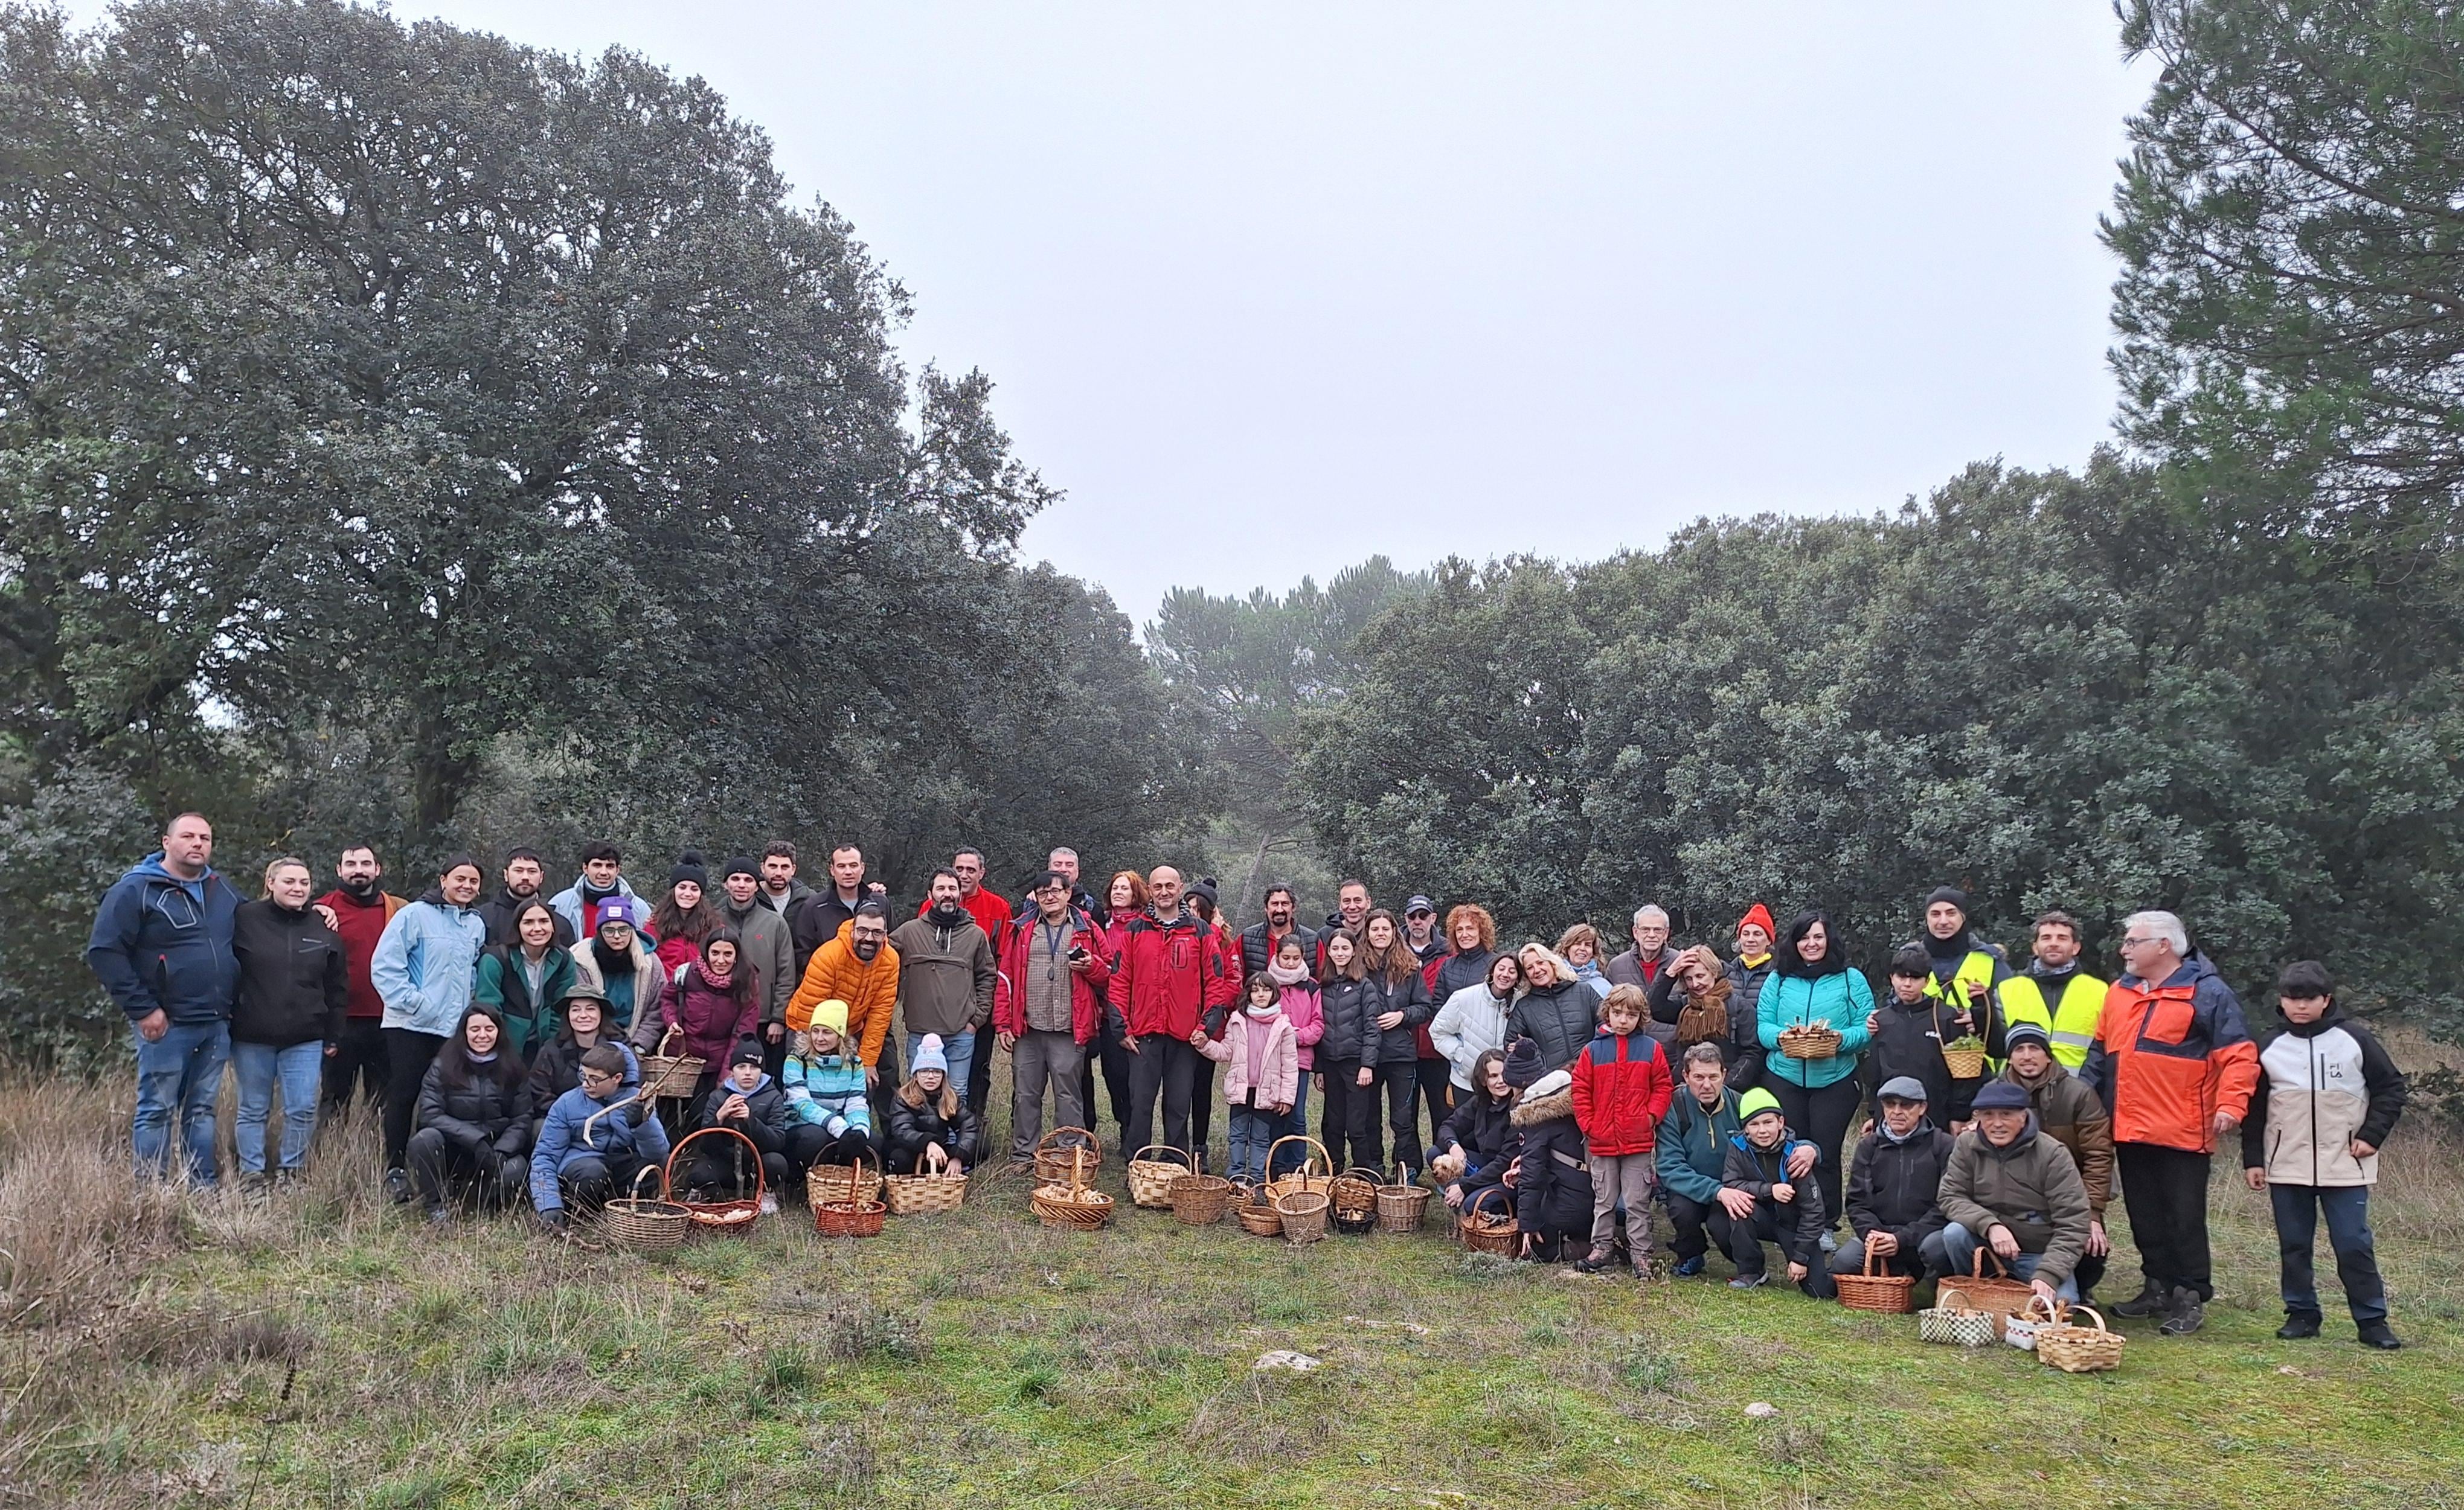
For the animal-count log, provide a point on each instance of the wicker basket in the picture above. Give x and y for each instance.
(842, 1185)
(1887, 1294)
(736, 1217)
(1303, 1215)
(1198, 1200)
(1351, 1203)
(1401, 1208)
(1054, 1161)
(1073, 1205)
(2000, 1298)
(1301, 1180)
(672, 1076)
(1956, 1325)
(650, 1224)
(2080, 1349)
(1964, 1055)
(1255, 1209)
(935, 1190)
(1809, 1040)
(859, 1215)
(1482, 1233)
(1151, 1179)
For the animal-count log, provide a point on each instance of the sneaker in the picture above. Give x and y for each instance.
(2376, 1334)
(1748, 1281)
(398, 1186)
(2299, 1325)
(1595, 1260)
(1689, 1268)
(439, 1217)
(769, 1204)
(1830, 1243)
(2185, 1315)
(2151, 1298)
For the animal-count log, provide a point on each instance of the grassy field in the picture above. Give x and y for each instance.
(978, 1358)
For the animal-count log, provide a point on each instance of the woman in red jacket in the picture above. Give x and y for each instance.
(1622, 1088)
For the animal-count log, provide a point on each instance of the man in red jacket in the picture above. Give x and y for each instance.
(1047, 1006)
(1622, 1088)
(1171, 971)
(357, 910)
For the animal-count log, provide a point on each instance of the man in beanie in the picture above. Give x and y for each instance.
(1048, 1007)
(2010, 1188)
(1894, 1185)
(602, 880)
(1966, 974)
(2069, 1113)
(764, 942)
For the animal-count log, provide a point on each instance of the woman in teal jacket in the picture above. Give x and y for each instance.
(1811, 983)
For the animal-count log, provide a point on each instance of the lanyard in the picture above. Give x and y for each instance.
(1053, 934)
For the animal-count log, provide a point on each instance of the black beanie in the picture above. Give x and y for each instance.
(737, 865)
(688, 867)
(1950, 894)
(1523, 1064)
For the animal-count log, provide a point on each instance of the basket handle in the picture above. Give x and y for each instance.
(1309, 1146)
(2092, 1311)
(1052, 1138)
(936, 1162)
(1976, 1263)
(2037, 1302)
(645, 1173)
(1871, 1259)
(1167, 1148)
(760, 1185)
(1471, 1207)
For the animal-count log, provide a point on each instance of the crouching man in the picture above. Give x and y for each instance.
(2015, 1191)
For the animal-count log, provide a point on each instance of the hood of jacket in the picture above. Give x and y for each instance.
(1548, 1105)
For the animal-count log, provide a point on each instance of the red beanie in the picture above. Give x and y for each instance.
(1760, 916)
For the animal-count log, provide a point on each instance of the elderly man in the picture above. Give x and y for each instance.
(2015, 1191)
(1644, 964)
(2174, 1059)
(1895, 1184)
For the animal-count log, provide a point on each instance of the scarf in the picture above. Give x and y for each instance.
(1293, 976)
(1895, 1139)
(714, 980)
(1948, 953)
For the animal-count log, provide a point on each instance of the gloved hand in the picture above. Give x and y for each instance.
(554, 1221)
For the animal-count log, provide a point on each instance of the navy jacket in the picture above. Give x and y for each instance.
(160, 942)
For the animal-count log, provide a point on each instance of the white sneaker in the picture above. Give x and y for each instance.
(769, 1204)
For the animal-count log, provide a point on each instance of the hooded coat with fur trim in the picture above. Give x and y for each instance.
(1552, 1193)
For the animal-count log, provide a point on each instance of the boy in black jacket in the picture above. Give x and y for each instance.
(1787, 1211)
(1909, 1030)
(749, 1102)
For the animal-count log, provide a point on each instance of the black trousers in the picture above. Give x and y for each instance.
(1770, 1224)
(979, 1088)
(407, 1055)
(590, 1180)
(1821, 1118)
(2165, 1191)
(359, 1064)
(1399, 1084)
(1437, 1094)
(443, 1169)
(1700, 1227)
(886, 1084)
(808, 1144)
(1164, 1066)
(730, 1170)
(1107, 1054)
(1349, 1116)
(1202, 1104)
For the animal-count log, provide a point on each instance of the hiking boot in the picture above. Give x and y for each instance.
(439, 1217)
(1598, 1258)
(1689, 1268)
(2185, 1315)
(2151, 1298)
(2376, 1334)
(769, 1204)
(2299, 1325)
(397, 1186)
(1748, 1281)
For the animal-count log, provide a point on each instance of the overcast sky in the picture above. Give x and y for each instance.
(1266, 288)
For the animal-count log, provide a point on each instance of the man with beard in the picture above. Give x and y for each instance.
(521, 879)
(992, 913)
(860, 968)
(1967, 976)
(780, 891)
(1351, 912)
(356, 909)
(945, 972)
(762, 942)
(602, 881)
(1259, 941)
(2056, 994)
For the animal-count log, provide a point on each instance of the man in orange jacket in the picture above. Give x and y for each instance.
(860, 967)
(2174, 1061)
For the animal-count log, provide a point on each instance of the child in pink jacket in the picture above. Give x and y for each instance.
(1264, 1053)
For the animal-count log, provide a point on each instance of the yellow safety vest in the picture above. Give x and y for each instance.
(1977, 966)
(2070, 1023)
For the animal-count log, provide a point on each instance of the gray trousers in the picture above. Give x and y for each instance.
(1037, 1060)
(1627, 1177)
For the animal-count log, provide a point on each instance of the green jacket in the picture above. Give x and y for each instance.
(503, 986)
(1692, 1149)
(2031, 1187)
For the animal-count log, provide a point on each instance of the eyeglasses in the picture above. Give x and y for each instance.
(594, 1078)
(2137, 943)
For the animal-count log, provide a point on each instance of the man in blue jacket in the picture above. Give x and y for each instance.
(162, 946)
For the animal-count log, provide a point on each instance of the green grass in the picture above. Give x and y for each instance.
(978, 1358)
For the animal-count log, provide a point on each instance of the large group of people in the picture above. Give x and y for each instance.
(1763, 1101)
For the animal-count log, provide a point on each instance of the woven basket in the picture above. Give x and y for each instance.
(1198, 1200)
(2080, 1349)
(923, 1194)
(1956, 1325)
(1351, 1203)
(842, 1184)
(851, 1218)
(1054, 1161)
(1151, 1179)
(1303, 1215)
(1255, 1209)
(2000, 1298)
(651, 1224)
(1401, 1208)
(1964, 1064)
(670, 1075)
(736, 1216)
(1482, 1233)
(1301, 1180)
(1887, 1294)
(1073, 1205)
(1809, 1040)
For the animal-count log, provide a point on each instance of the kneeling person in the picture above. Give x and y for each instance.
(590, 1148)
(1788, 1207)
(2012, 1189)
(927, 1113)
(1894, 1185)
(746, 1101)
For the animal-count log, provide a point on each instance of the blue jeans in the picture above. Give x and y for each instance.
(1295, 1126)
(2349, 1234)
(181, 1071)
(1254, 1130)
(959, 1048)
(1959, 1248)
(300, 1069)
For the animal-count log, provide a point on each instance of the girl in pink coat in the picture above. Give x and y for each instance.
(1262, 1051)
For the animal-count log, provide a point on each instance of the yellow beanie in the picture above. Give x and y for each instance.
(832, 1015)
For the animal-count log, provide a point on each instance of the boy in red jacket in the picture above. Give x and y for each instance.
(1622, 1090)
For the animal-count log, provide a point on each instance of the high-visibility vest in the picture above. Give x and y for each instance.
(1977, 966)
(2071, 1022)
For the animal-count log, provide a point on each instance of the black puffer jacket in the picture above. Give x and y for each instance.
(1907, 1041)
(1351, 1009)
(1552, 1193)
(1456, 971)
(768, 1117)
(1560, 1019)
(293, 982)
(480, 1114)
(558, 1070)
(1894, 1187)
(1396, 1045)
(1255, 954)
(1483, 1128)
(912, 1127)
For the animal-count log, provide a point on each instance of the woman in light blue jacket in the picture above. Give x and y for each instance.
(423, 968)
(1811, 983)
